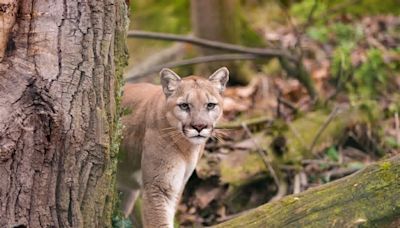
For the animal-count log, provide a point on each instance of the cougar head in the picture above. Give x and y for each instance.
(194, 104)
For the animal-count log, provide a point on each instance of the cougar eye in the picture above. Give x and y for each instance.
(211, 106)
(184, 106)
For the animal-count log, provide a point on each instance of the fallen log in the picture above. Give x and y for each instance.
(368, 198)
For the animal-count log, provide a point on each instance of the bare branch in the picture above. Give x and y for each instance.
(331, 116)
(173, 53)
(203, 59)
(265, 52)
(289, 61)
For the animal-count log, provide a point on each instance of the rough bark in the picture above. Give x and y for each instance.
(59, 87)
(368, 198)
(8, 13)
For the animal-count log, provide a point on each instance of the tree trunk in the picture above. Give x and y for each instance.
(59, 125)
(368, 198)
(217, 20)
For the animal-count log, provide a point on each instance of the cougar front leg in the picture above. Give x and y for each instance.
(161, 194)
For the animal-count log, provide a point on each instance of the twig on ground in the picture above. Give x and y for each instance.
(397, 126)
(282, 191)
(229, 217)
(341, 172)
(331, 116)
(288, 104)
(303, 179)
(296, 184)
(263, 154)
(319, 162)
(296, 134)
(342, 77)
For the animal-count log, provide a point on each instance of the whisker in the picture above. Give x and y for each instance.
(219, 139)
(175, 140)
(216, 136)
(225, 129)
(171, 134)
(223, 134)
(168, 132)
(168, 128)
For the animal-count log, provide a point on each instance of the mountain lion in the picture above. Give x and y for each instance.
(163, 139)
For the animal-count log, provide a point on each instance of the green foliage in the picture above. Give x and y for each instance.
(319, 33)
(392, 142)
(340, 33)
(248, 36)
(302, 9)
(369, 108)
(346, 38)
(332, 154)
(394, 107)
(372, 76)
(341, 62)
(365, 7)
(368, 79)
(356, 165)
(161, 16)
(302, 132)
(329, 9)
(119, 221)
(367, 74)
(346, 33)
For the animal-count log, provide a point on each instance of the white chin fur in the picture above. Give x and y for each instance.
(191, 133)
(198, 140)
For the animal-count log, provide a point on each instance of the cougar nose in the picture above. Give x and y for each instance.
(199, 127)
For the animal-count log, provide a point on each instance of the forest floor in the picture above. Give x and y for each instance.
(275, 141)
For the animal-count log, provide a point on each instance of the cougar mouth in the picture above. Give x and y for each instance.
(198, 136)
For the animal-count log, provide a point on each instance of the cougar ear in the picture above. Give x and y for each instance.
(169, 81)
(219, 78)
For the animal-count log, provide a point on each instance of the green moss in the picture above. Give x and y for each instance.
(385, 166)
(365, 199)
(240, 171)
(303, 131)
(290, 200)
(120, 61)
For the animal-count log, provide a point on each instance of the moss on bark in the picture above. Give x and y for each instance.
(368, 198)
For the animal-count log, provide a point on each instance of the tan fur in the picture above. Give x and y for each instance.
(158, 151)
